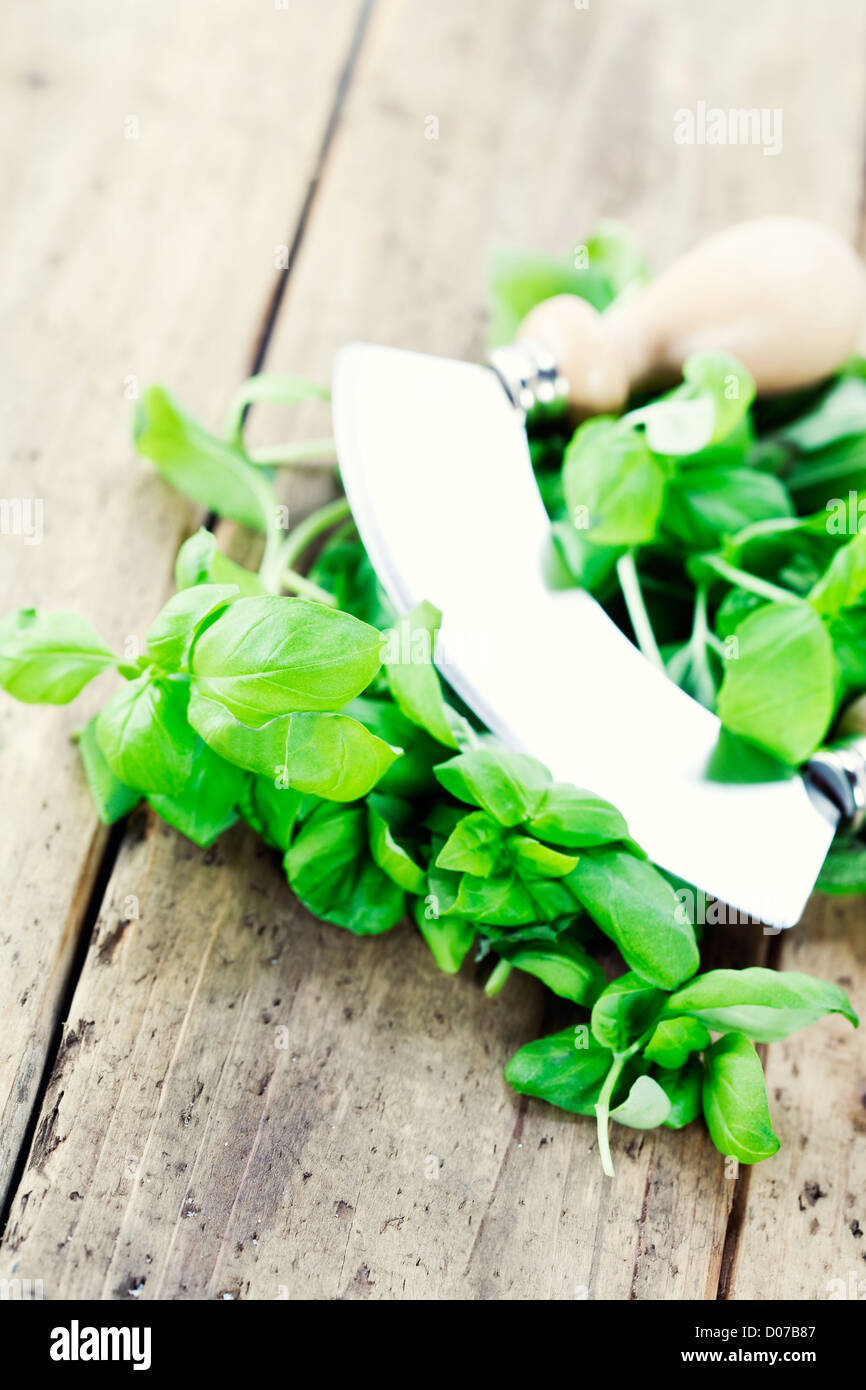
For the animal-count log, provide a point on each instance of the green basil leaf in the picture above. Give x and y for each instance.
(328, 755)
(274, 812)
(840, 413)
(567, 1069)
(734, 1100)
(612, 252)
(200, 562)
(576, 818)
(210, 799)
(392, 857)
(344, 569)
(848, 634)
(111, 797)
(614, 484)
(48, 658)
(144, 735)
(500, 900)
(674, 1040)
(844, 582)
(476, 845)
(508, 786)
(520, 279)
(779, 691)
(704, 505)
(266, 656)
(722, 379)
(449, 938)
(172, 633)
(411, 675)
(764, 1004)
(563, 966)
(198, 464)
(330, 868)
(625, 1010)
(674, 425)
(683, 1090)
(411, 774)
(645, 1107)
(844, 869)
(532, 860)
(633, 904)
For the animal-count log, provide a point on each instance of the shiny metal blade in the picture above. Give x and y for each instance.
(436, 467)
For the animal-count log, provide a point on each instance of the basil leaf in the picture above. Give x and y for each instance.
(144, 735)
(674, 1040)
(563, 966)
(633, 904)
(613, 483)
(476, 845)
(734, 1100)
(840, 413)
(449, 938)
(723, 380)
(780, 690)
(625, 1010)
(344, 569)
(843, 584)
(330, 868)
(645, 1107)
(412, 676)
(329, 755)
(520, 279)
(510, 787)
(575, 818)
(764, 1004)
(111, 797)
(266, 656)
(200, 562)
(500, 900)
(844, 869)
(274, 812)
(48, 658)
(198, 464)
(848, 634)
(411, 774)
(172, 633)
(209, 802)
(567, 1069)
(704, 505)
(393, 859)
(683, 1090)
(533, 860)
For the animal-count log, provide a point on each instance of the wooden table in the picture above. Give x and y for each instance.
(155, 1141)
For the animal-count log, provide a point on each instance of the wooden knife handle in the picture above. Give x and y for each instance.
(787, 297)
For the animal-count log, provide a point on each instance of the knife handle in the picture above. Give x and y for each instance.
(839, 770)
(785, 296)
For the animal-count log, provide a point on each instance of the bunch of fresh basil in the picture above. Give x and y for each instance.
(319, 719)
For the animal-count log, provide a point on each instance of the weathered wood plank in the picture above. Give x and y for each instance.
(207, 1161)
(153, 157)
(802, 1234)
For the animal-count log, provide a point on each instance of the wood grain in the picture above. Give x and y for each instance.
(125, 260)
(180, 1152)
(802, 1233)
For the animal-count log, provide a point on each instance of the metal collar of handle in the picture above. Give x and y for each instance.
(531, 380)
(839, 771)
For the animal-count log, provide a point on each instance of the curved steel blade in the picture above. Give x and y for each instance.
(436, 467)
